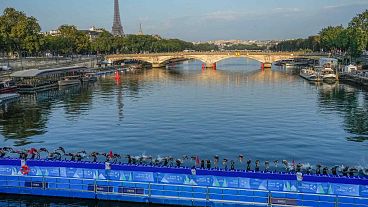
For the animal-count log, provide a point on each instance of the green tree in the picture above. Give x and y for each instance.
(19, 32)
(358, 41)
(330, 37)
(358, 34)
(103, 43)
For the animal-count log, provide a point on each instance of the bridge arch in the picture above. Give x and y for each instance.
(189, 57)
(242, 56)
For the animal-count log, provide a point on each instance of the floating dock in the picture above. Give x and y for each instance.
(179, 185)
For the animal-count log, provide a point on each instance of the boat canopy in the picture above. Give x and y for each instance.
(350, 68)
(44, 72)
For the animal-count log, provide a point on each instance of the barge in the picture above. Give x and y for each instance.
(178, 185)
(36, 80)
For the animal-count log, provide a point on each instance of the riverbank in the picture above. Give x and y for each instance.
(44, 62)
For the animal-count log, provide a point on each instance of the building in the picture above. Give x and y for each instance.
(93, 32)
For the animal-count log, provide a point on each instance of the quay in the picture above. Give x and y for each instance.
(178, 185)
(356, 77)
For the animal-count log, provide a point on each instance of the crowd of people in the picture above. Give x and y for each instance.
(240, 163)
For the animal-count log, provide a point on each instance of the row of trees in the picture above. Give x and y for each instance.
(352, 39)
(244, 47)
(106, 43)
(20, 34)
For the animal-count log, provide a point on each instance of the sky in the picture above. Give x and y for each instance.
(198, 20)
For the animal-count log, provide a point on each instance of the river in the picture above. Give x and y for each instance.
(184, 110)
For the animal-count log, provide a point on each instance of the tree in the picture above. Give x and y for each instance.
(358, 41)
(358, 33)
(103, 43)
(19, 32)
(330, 37)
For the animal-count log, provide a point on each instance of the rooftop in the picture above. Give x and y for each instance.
(37, 72)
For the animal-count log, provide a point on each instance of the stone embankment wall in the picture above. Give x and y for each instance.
(40, 63)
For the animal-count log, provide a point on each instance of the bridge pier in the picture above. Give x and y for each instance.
(210, 65)
(158, 65)
(267, 65)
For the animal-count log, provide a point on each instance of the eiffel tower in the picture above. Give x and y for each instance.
(117, 28)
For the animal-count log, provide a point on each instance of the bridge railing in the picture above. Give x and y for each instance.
(190, 195)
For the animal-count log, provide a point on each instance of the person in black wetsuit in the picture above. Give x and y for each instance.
(224, 163)
(208, 162)
(345, 171)
(299, 167)
(334, 170)
(2, 153)
(202, 164)
(257, 166)
(215, 161)
(318, 169)
(94, 155)
(249, 162)
(267, 165)
(325, 171)
(178, 162)
(286, 165)
(232, 165)
(276, 163)
(241, 158)
(352, 172)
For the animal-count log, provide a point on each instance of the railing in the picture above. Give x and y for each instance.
(167, 193)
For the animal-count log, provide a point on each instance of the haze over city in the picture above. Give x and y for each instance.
(194, 20)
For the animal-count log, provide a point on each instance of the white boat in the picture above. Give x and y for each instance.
(309, 74)
(328, 75)
(70, 80)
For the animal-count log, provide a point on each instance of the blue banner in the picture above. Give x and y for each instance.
(143, 177)
(364, 191)
(8, 170)
(315, 188)
(169, 178)
(346, 189)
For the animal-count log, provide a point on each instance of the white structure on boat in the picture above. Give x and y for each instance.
(350, 68)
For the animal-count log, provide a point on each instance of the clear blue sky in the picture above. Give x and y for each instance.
(195, 20)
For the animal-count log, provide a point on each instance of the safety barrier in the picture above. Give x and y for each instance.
(172, 194)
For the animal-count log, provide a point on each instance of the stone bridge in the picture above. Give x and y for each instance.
(208, 58)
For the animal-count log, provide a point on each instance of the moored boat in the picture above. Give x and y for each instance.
(8, 86)
(328, 75)
(309, 74)
(70, 80)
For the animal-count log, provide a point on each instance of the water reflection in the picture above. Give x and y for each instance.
(145, 111)
(351, 103)
(29, 117)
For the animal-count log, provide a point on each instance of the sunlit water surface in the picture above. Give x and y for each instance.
(184, 110)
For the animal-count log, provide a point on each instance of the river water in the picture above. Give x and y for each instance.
(184, 110)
